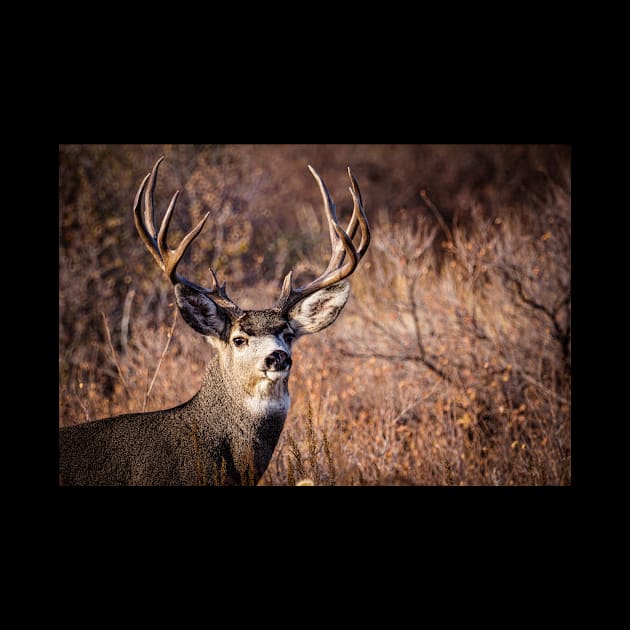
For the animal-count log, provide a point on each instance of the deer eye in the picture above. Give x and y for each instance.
(289, 337)
(239, 341)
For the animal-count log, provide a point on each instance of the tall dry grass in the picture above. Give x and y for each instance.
(451, 364)
(452, 373)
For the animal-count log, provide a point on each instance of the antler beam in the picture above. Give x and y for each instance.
(167, 258)
(342, 245)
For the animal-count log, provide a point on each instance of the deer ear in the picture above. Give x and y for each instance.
(319, 310)
(199, 311)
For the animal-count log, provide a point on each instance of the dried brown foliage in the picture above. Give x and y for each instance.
(452, 361)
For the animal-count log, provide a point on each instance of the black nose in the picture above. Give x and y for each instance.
(278, 360)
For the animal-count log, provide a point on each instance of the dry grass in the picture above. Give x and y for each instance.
(449, 366)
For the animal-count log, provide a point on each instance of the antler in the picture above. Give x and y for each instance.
(166, 258)
(341, 242)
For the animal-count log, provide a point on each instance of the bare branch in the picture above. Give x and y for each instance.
(428, 363)
(538, 385)
(416, 323)
(114, 355)
(124, 326)
(159, 364)
(438, 215)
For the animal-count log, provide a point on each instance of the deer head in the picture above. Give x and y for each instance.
(254, 346)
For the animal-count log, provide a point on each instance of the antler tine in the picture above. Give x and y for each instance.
(170, 256)
(359, 216)
(156, 243)
(166, 222)
(149, 212)
(357, 219)
(145, 231)
(341, 244)
(330, 210)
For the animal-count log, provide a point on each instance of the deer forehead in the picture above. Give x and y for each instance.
(267, 323)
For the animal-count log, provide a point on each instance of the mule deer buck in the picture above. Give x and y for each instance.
(228, 431)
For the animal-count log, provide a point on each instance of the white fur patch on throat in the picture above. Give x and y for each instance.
(261, 405)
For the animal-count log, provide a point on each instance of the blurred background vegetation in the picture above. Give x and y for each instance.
(452, 361)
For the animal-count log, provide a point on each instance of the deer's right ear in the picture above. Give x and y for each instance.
(199, 311)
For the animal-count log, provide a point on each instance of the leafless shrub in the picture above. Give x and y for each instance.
(451, 364)
(485, 337)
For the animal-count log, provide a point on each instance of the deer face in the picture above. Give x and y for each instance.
(255, 347)
(257, 355)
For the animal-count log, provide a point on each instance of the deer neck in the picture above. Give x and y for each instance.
(245, 427)
(249, 405)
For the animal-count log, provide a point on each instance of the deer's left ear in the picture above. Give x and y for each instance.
(319, 310)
